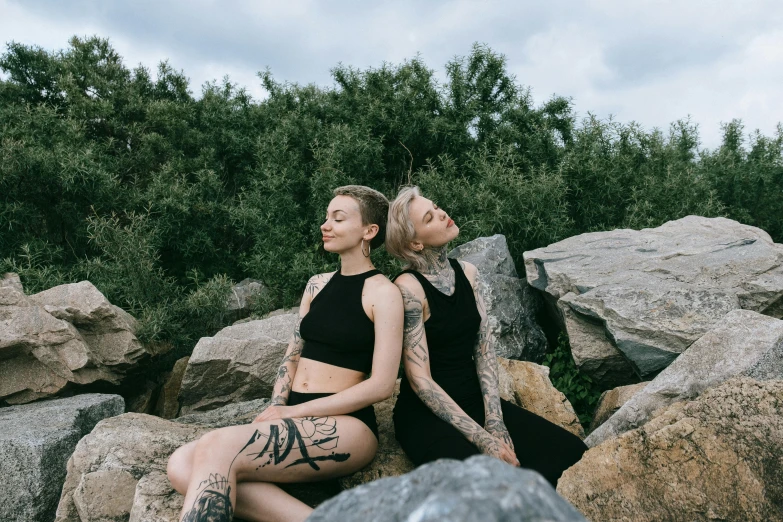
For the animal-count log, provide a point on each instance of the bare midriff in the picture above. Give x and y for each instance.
(318, 377)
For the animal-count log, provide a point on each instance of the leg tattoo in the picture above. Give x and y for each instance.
(305, 433)
(214, 503)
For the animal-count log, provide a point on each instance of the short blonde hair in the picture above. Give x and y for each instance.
(400, 232)
(373, 208)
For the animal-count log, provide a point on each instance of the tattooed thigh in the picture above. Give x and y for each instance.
(304, 449)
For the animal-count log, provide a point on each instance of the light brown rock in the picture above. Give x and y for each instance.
(105, 495)
(154, 500)
(67, 335)
(527, 385)
(238, 364)
(168, 400)
(612, 400)
(719, 457)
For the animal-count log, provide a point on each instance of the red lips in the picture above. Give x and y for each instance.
(450, 223)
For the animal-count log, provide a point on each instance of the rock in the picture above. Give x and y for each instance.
(238, 364)
(65, 336)
(645, 296)
(479, 488)
(35, 443)
(511, 303)
(168, 399)
(744, 344)
(611, 401)
(240, 301)
(12, 281)
(138, 446)
(527, 385)
(107, 329)
(95, 501)
(135, 444)
(390, 461)
(142, 398)
(715, 458)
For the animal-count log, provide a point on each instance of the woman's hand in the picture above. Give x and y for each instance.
(275, 412)
(494, 447)
(497, 428)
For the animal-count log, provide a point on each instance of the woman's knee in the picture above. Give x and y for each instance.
(179, 467)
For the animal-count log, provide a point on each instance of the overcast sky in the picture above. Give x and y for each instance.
(649, 61)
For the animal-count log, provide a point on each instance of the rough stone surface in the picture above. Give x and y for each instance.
(240, 300)
(168, 399)
(238, 364)
(390, 460)
(647, 295)
(480, 488)
(139, 445)
(611, 401)
(35, 443)
(744, 344)
(527, 385)
(67, 335)
(719, 457)
(511, 303)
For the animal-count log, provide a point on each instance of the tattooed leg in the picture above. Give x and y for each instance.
(287, 450)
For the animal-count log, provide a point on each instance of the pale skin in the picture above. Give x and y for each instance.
(433, 230)
(232, 471)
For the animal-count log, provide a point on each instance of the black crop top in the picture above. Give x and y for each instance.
(336, 330)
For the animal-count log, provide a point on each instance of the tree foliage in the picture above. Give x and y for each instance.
(162, 198)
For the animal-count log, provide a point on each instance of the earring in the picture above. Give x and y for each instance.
(368, 249)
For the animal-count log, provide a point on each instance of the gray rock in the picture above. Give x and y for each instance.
(480, 488)
(238, 364)
(240, 301)
(35, 443)
(744, 344)
(511, 303)
(229, 415)
(645, 296)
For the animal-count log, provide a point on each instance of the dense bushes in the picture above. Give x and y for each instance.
(161, 198)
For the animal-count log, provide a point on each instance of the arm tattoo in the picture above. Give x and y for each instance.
(413, 329)
(285, 374)
(487, 369)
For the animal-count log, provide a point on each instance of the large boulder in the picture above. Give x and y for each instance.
(511, 303)
(715, 458)
(632, 301)
(65, 336)
(612, 400)
(744, 344)
(118, 472)
(35, 443)
(238, 364)
(527, 385)
(479, 488)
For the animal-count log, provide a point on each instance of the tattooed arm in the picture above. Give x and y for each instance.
(415, 355)
(487, 365)
(287, 370)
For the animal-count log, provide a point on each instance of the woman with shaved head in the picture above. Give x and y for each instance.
(343, 357)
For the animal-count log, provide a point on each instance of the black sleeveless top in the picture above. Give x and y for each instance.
(451, 331)
(336, 330)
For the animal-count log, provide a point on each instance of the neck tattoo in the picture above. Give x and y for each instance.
(440, 273)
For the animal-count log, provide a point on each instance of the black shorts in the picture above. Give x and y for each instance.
(366, 414)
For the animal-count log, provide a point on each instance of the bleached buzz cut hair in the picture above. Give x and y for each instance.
(373, 208)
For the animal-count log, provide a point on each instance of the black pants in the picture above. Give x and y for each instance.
(539, 444)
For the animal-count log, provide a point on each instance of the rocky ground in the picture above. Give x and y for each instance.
(693, 308)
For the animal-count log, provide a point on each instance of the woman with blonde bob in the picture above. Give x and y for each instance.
(343, 357)
(448, 405)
